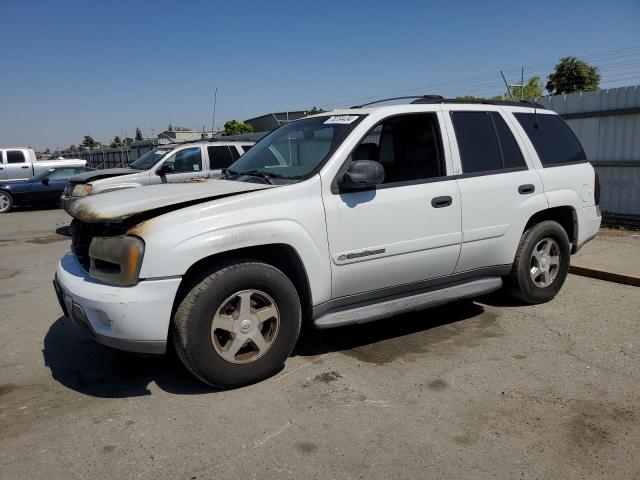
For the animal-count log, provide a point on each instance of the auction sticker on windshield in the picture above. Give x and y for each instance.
(341, 119)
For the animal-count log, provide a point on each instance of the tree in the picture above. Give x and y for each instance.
(89, 142)
(314, 110)
(116, 142)
(532, 89)
(471, 98)
(573, 75)
(170, 128)
(234, 127)
(138, 135)
(72, 148)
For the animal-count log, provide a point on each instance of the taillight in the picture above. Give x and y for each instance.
(596, 189)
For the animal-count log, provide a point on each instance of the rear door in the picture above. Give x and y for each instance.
(221, 156)
(17, 164)
(499, 186)
(3, 166)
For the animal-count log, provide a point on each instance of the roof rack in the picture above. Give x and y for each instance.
(431, 99)
(419, 97)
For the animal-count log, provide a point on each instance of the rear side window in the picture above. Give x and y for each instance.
(222, 156)
(485, 142)
(15, 156)
(552, 138)
(246, 148)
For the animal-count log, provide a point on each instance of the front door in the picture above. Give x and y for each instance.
(405, 230)
(183, 166)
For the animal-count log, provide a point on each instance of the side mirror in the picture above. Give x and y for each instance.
(164, 169)
(45, 181)
(362, 174)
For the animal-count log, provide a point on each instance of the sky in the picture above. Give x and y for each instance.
(75, 68)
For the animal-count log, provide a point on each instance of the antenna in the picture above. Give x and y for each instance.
(213, 118)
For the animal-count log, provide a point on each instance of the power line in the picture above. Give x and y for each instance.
(480, 81)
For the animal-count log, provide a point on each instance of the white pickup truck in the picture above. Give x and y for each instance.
(20, 163)
(172, 163)
(341, 218)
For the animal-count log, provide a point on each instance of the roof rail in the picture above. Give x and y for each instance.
(425, 97)
(430, 99)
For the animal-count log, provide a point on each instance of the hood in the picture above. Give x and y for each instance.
(106, 173)
(120, 205)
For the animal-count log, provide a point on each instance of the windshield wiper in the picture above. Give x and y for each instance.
(227, 172)
(267, 176)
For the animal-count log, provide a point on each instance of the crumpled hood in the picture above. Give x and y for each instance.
(119, 205)
(105, 173)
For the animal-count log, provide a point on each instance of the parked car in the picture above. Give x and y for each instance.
(40, 190)
(336, 219)
(165, 164)
(21, 163)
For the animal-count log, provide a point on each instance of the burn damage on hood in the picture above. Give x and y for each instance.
(132, 206)
(100, 174)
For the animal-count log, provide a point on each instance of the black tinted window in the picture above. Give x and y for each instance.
(15, 156)
(407, 146)
(511, 154)
(552, 138)
(477, 141)
(246, 148)
(221, 156)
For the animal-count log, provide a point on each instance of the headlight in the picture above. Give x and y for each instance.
(81, 190)
(116, 259)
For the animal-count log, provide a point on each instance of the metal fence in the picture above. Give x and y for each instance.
(607, 122)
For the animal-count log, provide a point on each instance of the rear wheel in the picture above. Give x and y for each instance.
(238, 325)
(6, 201)
(541, 263)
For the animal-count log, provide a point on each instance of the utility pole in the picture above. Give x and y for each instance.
(213, 118)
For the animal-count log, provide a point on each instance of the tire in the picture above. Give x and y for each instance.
(218, 300)
(6, 201)
(521, 283)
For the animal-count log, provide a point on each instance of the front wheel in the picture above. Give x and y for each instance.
(541, 263)
(238, 325)
(6, 201)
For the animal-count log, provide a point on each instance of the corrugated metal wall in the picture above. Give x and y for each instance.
(607, 122)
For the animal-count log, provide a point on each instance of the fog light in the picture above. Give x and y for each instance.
(104, 318)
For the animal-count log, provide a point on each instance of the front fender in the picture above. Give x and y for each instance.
(166, 261)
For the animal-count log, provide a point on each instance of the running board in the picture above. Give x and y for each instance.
(397, 305)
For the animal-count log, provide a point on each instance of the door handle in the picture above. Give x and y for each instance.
(440, 202)
(24, 167)
(526, 189)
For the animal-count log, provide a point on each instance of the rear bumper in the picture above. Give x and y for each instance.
(135, 318)
(589, 220)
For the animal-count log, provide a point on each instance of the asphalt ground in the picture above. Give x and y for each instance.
(484, 389)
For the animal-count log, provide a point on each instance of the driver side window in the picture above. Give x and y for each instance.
(188, 160)
(409, 147)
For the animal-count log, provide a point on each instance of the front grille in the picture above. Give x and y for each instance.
(81, 235)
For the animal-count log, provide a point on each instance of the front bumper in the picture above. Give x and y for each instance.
(134, 318)
(66, 201)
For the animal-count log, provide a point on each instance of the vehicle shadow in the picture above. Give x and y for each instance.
(317, 342)
(81, 364)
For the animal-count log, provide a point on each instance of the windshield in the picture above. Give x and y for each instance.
(149, 159)
(297, 149)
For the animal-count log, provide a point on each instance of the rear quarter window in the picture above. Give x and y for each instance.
(554, 141)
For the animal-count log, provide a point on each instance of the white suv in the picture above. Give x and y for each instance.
(340, 218)
(172, 163)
